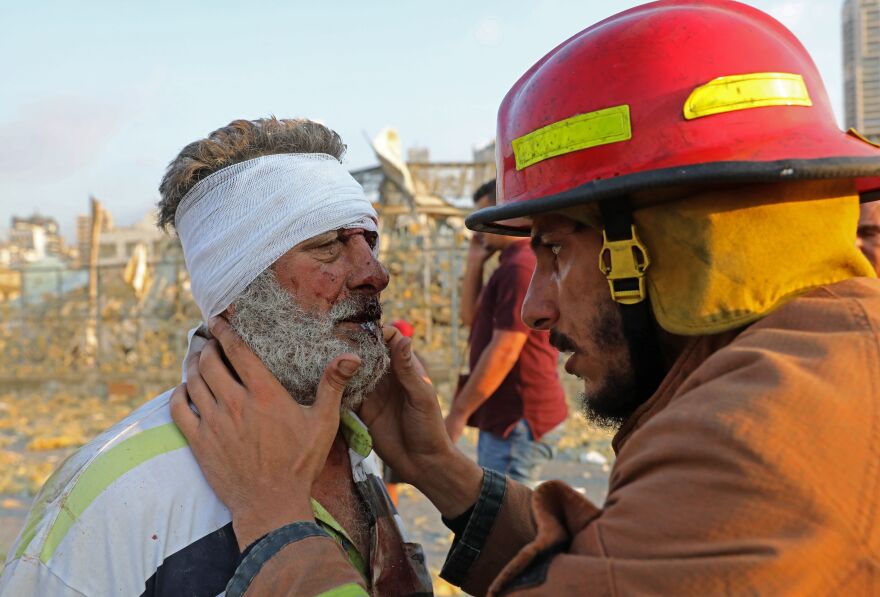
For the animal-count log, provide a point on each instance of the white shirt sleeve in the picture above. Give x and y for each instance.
(29, 576)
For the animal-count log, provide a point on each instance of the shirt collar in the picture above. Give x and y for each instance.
(356, 434)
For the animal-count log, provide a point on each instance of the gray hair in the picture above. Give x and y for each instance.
(239, 141)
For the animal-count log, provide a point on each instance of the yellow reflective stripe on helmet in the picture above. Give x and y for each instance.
(105, 469)
(742, 92)
(349, 590)
(572, 134)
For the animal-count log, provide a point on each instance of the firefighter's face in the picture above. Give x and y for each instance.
(570, 297)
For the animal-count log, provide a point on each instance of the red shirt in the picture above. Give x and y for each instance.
(531, 390)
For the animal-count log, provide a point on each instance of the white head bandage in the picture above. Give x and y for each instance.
(238, 221)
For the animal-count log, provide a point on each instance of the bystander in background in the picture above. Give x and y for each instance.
(513, 394)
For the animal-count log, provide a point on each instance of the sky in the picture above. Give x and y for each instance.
(98, 96)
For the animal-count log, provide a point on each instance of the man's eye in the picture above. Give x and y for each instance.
(555, 249)
(329, 245)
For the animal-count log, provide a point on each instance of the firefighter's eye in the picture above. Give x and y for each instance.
(555, 249)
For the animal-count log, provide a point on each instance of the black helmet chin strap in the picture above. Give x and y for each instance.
(624, 260)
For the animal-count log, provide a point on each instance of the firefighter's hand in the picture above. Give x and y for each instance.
(259, 449)
(409, 434)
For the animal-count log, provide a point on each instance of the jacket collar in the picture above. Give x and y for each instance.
(696, 351)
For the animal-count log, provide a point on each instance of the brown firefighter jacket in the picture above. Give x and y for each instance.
(753, 470)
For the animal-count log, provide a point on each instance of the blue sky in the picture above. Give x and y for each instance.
(98, 96)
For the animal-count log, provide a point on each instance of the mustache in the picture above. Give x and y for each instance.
(362, 309)
(563, 343)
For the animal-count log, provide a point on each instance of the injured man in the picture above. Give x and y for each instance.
(279, 239)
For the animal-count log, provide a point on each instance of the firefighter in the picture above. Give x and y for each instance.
(693, 209)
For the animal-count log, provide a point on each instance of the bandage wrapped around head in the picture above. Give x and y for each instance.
(238, 221)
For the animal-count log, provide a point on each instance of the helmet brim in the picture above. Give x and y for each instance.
(510, 220)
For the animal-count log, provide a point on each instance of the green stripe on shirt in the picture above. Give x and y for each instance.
(105, 469)
(349, 590)
(115, 462)
(47, 494)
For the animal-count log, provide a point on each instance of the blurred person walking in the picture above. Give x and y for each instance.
(513, 395)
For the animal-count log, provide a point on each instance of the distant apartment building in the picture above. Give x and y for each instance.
(33, 239)
(861, 66)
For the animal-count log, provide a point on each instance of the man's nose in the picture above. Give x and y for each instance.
(369, 276)
(540, 310)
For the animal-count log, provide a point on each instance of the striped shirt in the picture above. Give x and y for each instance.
(131, 513)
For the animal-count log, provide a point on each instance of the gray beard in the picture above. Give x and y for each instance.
(296, 346)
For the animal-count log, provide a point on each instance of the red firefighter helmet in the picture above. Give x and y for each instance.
(676, 92)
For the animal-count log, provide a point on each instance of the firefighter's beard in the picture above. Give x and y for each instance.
(296, 346)
(609, 400)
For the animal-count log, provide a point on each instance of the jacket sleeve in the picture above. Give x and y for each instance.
(499, 526)
(298, 559)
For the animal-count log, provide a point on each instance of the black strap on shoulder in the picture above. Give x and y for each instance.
(639, 326)
(265, 548)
